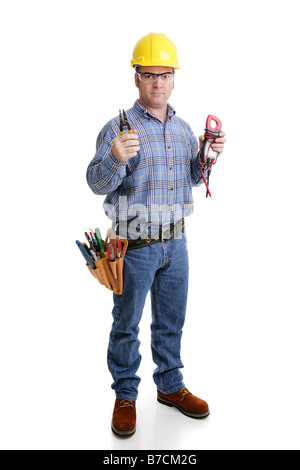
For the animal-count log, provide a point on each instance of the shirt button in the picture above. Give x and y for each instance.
(169, 146)
(171, 189)
(171, 168)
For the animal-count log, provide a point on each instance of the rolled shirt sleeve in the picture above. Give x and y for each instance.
(105, 173)
(196, 175)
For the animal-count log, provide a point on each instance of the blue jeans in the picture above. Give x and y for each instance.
(163, 269)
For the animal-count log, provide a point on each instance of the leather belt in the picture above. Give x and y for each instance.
(164, 234)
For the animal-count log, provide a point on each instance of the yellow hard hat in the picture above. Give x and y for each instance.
(156, 50)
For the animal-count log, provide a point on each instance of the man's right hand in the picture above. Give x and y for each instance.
(126, 146)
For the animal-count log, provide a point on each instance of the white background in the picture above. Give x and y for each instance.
(65, 73)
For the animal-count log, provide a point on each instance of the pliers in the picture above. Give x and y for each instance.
(124, 124)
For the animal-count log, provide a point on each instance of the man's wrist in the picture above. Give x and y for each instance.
(115, 164)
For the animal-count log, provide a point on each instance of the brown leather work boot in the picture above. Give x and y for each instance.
(188, 404)
(124, 417)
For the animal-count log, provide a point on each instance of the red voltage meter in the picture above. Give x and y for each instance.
(207, 156)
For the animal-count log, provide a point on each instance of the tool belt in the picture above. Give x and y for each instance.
(110, 273)
(164, 234)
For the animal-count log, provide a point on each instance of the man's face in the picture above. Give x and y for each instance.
(154, 95)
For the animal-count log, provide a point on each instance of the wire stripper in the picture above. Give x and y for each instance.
(124, 123)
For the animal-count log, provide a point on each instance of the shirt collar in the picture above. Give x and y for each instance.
(144, 111)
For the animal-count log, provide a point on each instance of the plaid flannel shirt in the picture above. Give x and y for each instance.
(157, 183)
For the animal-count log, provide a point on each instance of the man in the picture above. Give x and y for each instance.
(148, 176)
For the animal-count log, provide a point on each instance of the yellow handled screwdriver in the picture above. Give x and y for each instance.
(124, 124)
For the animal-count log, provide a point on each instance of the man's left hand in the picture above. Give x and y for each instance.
(218, 145)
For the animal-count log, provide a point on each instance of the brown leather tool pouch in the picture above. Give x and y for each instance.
(110, 273)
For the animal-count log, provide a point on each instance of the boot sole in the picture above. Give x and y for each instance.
(123, 433)
(186, 413)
